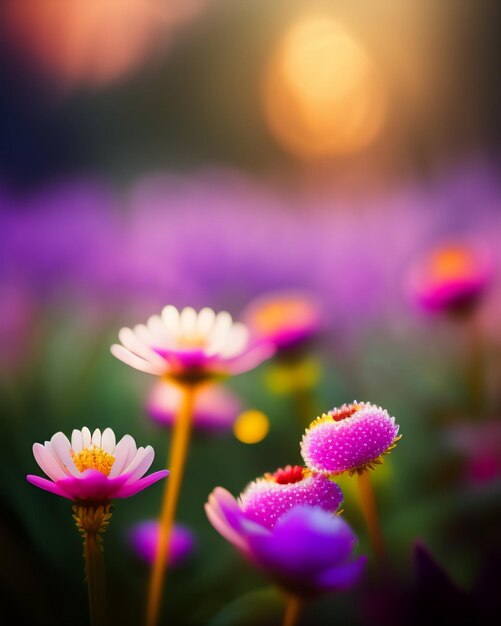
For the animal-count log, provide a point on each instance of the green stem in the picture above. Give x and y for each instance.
(91, 521)
(475, 366)
(370, 512)
(96, 581)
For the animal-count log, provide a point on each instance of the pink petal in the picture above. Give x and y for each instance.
(46, 485)
(131, 488)
(47, 462)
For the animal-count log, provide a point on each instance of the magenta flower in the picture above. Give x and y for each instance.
(94, 467)
(307, 551)
(352, 439)
(266, 499)
(143, 538)
(190, 347)
(215, 410)
(452, 277)
(286, 319)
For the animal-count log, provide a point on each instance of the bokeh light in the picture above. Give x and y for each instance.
(322, 92)
(251, 426)
(91, 42)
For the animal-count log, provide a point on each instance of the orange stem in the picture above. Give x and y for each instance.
(292, 610)
(369, 510)
(177, 462)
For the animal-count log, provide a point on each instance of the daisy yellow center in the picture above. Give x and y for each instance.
(192, 342)
(93, 458)
(451, 263)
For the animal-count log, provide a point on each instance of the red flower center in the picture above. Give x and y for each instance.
(344, 412)
(288, 475)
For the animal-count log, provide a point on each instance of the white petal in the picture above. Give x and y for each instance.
(86, 437)
(76, 440)
(143, 334)
(170, 318)
(236, 341)
(96, 438)
(108, 440)
(60, 445)
(124, 452)
(158, 330)
(188, 321)
(47, 462)
(136, 362)
(217, 337)
(205, 322)
(141, 463)
(133, 462)
(130, 341)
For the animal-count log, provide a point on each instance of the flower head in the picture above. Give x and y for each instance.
(286, 319)
(216, 408)
(94, 467)
(351, 439)
(308, 551)
(452, 277)
(143, 539)
(190, 347)
(266, 499)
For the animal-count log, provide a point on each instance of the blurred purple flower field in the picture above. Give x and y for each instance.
(236, 230)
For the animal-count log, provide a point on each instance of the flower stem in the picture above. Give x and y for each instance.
(369, 510)
(305, 404)
(177, 462)
(292, 610)
(92, 520)
(475, 366)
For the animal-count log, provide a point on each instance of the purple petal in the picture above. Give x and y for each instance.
(342, 576)
(225, 515)
(143, 538)
(306, 540)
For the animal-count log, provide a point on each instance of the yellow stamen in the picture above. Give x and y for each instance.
(93, 458)
(191, 341)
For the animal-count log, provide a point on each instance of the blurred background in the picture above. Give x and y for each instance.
(207, 152)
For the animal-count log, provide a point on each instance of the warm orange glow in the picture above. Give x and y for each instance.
(92, 41)
(451, 263)
(322, 94)
(282, 313)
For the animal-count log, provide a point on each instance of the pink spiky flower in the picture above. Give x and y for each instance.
(352, 438)
(266, 499)
(94, 467)
(190, 347)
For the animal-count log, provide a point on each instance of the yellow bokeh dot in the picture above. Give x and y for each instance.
(251, 426)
